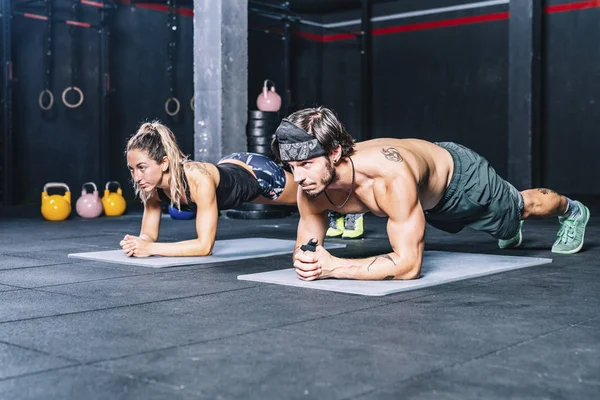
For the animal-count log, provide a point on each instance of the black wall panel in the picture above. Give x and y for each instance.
(265, 56)
(444, 85)
(139, 62)
(572, 96)
(63, 144)
(266, 61)
(341, 82)
(306, 68)
(60, 144)
(439, 84)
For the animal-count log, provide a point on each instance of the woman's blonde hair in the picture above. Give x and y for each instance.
(158, 141)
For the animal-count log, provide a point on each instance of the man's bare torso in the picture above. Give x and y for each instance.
(401, 162)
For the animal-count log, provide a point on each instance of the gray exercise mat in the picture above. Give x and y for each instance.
(224, 250)
(439, 267)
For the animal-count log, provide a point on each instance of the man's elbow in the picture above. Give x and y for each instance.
(409, 273)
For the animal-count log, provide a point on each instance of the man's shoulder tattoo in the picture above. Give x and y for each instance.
(392, 154)
(546, 191)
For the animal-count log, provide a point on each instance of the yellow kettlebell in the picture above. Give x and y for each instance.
(56, 207)
(113, 202)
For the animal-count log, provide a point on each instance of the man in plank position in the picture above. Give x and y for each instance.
(411, 182)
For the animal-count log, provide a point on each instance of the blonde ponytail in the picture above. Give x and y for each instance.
(158, 141)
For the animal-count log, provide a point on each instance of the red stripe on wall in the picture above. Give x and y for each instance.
(35, 16)
(441, 24)
(409, 28)
(449, 22)
(581, 5)
(77, 23)
(161, 7)
(92, 3)
(326, 38)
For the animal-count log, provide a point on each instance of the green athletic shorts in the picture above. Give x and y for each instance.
(476, 197)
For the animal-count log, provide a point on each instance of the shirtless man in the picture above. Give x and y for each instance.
(411, 182)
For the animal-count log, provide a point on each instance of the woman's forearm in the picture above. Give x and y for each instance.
(187, 248)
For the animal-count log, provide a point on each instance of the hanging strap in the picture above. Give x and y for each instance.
(47, 57)
(74, 59)
(172, 105)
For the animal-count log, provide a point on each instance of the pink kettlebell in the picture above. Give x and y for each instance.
(89, 205)
(268, 100)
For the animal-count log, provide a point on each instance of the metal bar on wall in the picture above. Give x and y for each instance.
(6, 185)
(104, 76)
(365, 71)
(286, 68)
(524, 93)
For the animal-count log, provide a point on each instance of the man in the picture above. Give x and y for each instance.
(411, 182)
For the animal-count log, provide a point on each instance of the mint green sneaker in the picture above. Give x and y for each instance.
(571, 233)
(514, 241)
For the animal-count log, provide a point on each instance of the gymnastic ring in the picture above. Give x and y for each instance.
(41, 99)
(192, 104)
(64, 96)
(177, 106)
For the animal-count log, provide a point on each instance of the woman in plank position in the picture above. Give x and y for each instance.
(162, 174)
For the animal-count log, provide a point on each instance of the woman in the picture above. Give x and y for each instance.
(162, 174)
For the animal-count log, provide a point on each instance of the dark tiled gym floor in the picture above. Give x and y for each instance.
(75, 329)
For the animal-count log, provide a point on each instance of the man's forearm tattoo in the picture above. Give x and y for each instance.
(392, 154)
(386, 256)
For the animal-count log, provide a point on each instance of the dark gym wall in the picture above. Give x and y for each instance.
(450, 83)
(447, 83)
(444, 84)
(63, 144)
(341, 83)
(265, 56)
(266, 61)
(418, 78)
(307, 65)
(60, 144)
(139, 62)
(572, 97)
(307, 74)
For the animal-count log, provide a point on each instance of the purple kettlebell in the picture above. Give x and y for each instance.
(89, 205)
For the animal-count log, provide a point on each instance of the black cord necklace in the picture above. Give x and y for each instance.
(349, 193)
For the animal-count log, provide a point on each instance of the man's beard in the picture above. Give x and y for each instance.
(325, 180)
